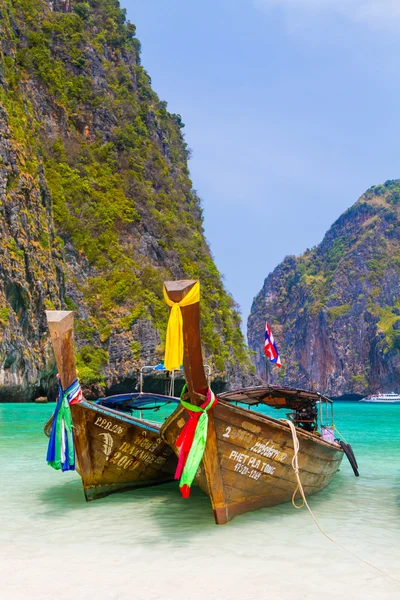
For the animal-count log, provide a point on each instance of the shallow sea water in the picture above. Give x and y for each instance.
(150, 544)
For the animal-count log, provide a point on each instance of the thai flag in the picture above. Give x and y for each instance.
(270, 349)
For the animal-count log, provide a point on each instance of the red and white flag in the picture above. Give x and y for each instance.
(270, 349)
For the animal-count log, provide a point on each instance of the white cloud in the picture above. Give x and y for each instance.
(374, 13)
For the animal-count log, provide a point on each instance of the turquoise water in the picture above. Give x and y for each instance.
(152, 544)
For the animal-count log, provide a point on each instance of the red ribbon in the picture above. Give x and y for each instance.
(78, 396)
(184, 443)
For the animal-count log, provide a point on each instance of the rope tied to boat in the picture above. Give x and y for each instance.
(341, 435)
(174, 341)
(192, 441)
(299, 488)
(61, 450)
(295, 466)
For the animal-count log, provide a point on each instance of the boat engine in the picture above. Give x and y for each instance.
(306, 417)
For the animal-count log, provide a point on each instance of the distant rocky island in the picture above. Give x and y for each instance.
(96, 204)
(335, 310)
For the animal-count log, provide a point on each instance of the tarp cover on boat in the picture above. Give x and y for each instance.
(136, 400)
(278, 397)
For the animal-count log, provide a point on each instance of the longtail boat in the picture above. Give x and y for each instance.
(114, 450)
(247, 460)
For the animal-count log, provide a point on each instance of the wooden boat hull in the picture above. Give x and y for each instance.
(116, 452)
(247, 463)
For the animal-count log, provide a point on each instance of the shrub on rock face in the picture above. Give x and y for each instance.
(90, 364)
(82, 9)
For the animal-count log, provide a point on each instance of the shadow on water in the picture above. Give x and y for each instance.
(158, 514)
(160, 510)
(67, 495)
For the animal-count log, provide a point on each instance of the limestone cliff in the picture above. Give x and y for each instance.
(96, 203)
(335, 310)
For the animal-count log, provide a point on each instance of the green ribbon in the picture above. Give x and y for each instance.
(197, 448)
(61, 452)
(63, 427)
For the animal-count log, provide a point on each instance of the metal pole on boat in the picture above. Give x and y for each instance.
(207, 370)
(141, 380)
(267, 370)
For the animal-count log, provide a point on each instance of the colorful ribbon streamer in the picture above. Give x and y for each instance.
(192, 441)
(174, 340)
(61, 450)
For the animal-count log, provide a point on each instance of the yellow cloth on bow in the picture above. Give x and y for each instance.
(174, 340)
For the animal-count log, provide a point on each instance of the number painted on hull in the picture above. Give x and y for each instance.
(122, 461)
(141, 450)
(238, 434)
(227, 432)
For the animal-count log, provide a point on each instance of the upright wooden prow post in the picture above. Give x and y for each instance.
(197, 382)
(192, 357)
(61, 326)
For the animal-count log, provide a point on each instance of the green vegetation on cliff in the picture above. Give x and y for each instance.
(87, 122)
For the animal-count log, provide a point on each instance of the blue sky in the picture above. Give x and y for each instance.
(291, 110)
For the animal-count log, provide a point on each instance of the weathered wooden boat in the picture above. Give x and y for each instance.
(247, 462)
(115, 451)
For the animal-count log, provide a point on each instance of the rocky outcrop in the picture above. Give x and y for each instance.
(31, 271)
(97, 207)
(335, 310)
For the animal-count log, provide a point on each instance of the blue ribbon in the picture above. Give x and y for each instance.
(61, 431)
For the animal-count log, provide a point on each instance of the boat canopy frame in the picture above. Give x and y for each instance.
(146, 400)
(260, 394)
(282, 397)
(158, 369)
